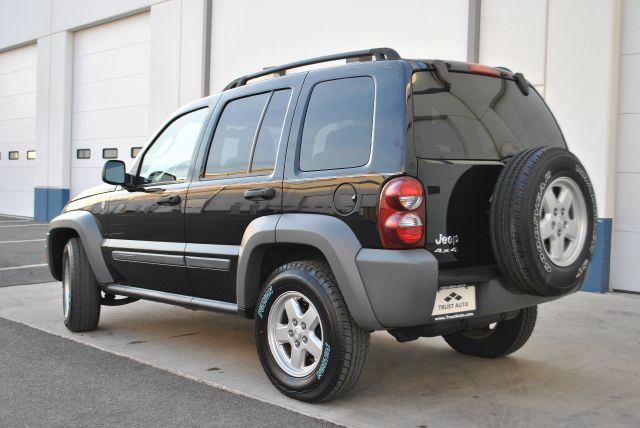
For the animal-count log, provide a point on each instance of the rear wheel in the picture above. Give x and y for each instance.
(308, 343)
(498, 339)
(80, 290)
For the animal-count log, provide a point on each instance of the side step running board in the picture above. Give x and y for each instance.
(172, 299)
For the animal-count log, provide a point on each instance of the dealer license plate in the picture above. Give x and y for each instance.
(454, 301)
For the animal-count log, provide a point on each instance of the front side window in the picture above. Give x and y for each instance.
(169, 157)
(338, 125)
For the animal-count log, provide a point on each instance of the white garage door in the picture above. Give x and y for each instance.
(17, 130)
(110, 96)
(625, 260)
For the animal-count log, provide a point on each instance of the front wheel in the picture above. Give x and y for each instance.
(496, 340)
(81, 297)
(309, 345)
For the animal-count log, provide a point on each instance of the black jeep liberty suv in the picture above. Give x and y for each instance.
(422, 197)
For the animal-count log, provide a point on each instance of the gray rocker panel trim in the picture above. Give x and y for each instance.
(85, 224)
(163, 259)
(171, 298)
(330, 235)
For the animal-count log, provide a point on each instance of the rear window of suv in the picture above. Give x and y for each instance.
(478, 117)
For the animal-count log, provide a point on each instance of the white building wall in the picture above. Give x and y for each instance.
(568, 50)
(582, 86)
(248, 35)
(176, 75)
(513, 34)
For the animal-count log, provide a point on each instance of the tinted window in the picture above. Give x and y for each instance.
(264, 156)
(170, 155)
(478, 117)
(338, 125)
(233, 138)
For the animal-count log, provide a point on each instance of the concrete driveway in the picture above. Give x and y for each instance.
(580, 368)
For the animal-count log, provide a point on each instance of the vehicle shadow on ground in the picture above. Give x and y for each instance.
(395, 372)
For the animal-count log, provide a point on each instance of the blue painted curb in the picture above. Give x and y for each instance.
(597, 279)
(49, 202)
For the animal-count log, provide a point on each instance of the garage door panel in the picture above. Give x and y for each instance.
(123, 145)
(625, 251)
(17, 106)
(123, 122)
(123, 32)
(629, 143)
(626, 261)
(112, 64)
(18, 59)
(18, 131)
(88, 171)
(628, 199)
(630, 34)
(18, 82)
(630, 84)
(108, 94)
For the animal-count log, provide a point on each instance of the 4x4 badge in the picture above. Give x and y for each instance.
(450, 241)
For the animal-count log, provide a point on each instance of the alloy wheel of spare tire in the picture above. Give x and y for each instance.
(543, 216)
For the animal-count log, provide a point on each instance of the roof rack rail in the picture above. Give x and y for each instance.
(380, 54)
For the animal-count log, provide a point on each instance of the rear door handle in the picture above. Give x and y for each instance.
(169, 200)
(262, 194)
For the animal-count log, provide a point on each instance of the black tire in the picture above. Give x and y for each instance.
(344, 343)
(82, 311)
(516, 211)
(505, 338)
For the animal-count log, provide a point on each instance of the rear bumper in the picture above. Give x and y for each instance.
(402, 286)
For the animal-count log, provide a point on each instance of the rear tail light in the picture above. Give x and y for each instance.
(401, 213)
(484, 69)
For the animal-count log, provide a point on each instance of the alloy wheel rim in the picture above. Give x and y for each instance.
(295, 334)
(563, 221)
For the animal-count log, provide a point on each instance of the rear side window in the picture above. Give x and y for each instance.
(247, 135)
(338, 125)
(264, 155)
(233, 138)
(478, 117)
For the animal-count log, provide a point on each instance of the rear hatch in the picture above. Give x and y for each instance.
(465, 126)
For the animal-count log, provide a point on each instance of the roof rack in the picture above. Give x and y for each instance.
(380, 54)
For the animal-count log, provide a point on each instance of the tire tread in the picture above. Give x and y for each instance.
(355, 339)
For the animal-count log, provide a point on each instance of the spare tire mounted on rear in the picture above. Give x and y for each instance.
(543, 216)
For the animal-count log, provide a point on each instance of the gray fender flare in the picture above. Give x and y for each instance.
(329, 235)
(87, 228)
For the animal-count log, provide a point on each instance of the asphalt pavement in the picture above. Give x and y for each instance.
(46, 380)
(22, 254)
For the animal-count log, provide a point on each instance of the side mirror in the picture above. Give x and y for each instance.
(114, 173)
